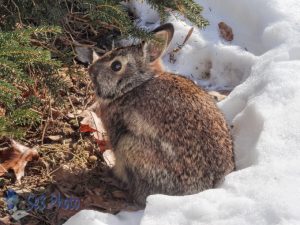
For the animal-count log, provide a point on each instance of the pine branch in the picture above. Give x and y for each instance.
(17, 59)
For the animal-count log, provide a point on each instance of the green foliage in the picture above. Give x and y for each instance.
(189, 8)
(18, 61)
(86, 18)
(36, 35)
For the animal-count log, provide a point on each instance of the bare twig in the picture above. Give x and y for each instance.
(179, 47)
(46, 123)
(19, 14)
(44, 130)
(74, 111)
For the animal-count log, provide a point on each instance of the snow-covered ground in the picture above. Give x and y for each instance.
(262, 64)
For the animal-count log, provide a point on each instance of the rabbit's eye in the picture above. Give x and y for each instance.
(116, 66)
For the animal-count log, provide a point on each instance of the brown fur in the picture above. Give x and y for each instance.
(167, 134)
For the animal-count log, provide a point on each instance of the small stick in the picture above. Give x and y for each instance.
(44, 130)
(46, 123)
(185, 40)
(74, 110)
(19, 14)
(172, 54)
(75, 114)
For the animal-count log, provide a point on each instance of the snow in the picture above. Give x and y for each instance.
(262, 66)
(91, 217)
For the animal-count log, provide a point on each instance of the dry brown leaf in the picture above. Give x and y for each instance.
(16, 159)
(92, 123)
(5, 220)
(109, 158)
(225, 31)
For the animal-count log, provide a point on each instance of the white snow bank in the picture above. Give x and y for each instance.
(91, 217)
(264, 111)
(265, 189)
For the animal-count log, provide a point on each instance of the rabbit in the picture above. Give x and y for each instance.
(167, 134)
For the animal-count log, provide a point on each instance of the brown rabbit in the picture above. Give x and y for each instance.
(167, 134)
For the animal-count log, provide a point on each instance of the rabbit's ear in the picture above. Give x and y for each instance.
(162, 37)
(86, 55)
